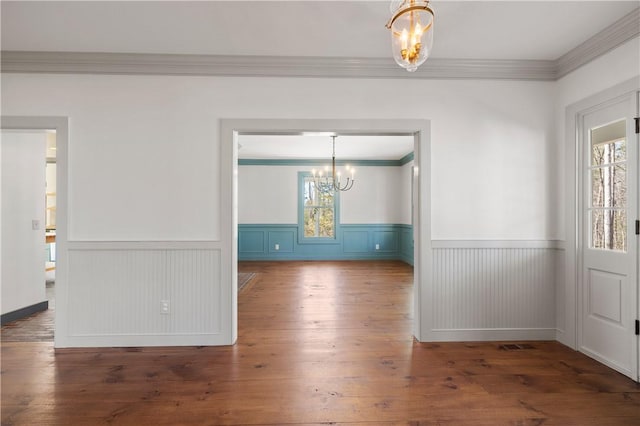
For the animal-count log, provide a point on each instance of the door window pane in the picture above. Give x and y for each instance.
(609, 229)
(607, 153)
(609, 186)
(608, 143)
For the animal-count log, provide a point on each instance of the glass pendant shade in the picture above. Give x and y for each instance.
(411, 33)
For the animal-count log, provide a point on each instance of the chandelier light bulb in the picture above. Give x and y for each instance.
(404, 38)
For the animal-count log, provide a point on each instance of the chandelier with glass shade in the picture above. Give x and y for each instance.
(411, 32)
(331, 180)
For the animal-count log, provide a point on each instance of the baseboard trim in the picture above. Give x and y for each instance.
(24, 312)
(295, 258)
(491, 334)
(143, 340)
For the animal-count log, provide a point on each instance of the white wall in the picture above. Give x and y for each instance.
(145, 148)
(145, 154)
(269, 194)
(617, 66)
(375, 197)
(23, 189)
(406, 198)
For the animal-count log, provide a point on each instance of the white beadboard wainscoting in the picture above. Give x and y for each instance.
(494, 290)
(115, 291)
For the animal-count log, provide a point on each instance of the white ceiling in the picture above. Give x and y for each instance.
(348, 147)
(472, 29)
(463, 30)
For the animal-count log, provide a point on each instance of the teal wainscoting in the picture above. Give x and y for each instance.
(355, 242)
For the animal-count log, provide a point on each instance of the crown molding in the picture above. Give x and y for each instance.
(321, 67)
(318, 162)
(614, 35)
(268, 66)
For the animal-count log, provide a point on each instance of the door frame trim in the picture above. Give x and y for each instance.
(624, 99)
(61, 126)
(574, 113)
(421, 129)
(568, 334)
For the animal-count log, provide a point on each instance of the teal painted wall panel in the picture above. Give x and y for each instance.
(355, 242)
(250, 241)
(284, 240)
(385, 241)
(406, 244)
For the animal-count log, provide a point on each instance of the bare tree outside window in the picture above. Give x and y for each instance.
(319, 211)
(608, 194)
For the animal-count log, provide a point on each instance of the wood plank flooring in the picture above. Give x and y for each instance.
(319, 343)
(38, 327)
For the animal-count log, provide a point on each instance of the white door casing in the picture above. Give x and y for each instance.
(420, 129)
(608, 286)
(61, 126)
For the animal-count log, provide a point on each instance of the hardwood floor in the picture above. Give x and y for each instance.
(38, 327)
(319, 343)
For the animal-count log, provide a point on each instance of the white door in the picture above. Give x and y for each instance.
(609, 286)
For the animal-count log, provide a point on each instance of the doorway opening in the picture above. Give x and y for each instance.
(50, 218)
(287, 212)
(37, 219)
(28, 237)
(232, 132)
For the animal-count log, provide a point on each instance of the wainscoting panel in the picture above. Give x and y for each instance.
(406, 244)
(354, 242)
(251, 241)
(193, 287)
(385, 241)
(489, 293)
(284, 240)
(116, 289)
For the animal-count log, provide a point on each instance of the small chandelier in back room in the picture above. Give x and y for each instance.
(330, 180)
(411, 32)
